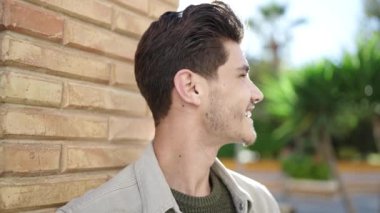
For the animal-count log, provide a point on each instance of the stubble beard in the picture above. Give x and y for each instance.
(220, 120)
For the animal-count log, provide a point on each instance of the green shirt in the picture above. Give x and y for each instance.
(219, 200)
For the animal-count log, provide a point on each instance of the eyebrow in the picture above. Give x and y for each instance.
(244, 68)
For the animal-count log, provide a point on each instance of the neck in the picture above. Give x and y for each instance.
(185, 157)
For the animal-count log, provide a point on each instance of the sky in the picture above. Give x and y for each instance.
(331, 27)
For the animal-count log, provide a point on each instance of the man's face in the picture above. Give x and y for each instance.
(231, 98)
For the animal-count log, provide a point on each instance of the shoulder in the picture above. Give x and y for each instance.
(120, 193)
(248, 183)
(262, 199)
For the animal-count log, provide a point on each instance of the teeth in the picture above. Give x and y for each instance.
(248, 114)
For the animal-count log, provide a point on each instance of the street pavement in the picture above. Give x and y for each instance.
(363, 188)
(363, 203)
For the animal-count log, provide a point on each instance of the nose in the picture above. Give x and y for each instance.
(256, 94)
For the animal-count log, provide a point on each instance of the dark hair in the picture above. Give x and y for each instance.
(191, 39)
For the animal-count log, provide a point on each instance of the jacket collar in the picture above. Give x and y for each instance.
(243, 202)
(155, 191)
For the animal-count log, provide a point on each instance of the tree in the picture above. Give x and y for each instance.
(274, 30)
(372, 10)
(310, 102)
(365, 78)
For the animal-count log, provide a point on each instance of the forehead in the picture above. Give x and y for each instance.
(236, 58)
(234, 51)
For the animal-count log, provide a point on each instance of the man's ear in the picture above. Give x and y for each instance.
(187, 86)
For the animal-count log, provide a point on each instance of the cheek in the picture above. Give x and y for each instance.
(238, 114)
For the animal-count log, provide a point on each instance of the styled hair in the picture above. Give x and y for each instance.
(192, 39)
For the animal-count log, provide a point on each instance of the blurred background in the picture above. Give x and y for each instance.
(71, 115)
(318, 65)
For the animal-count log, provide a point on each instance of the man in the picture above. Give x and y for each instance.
(194, 77)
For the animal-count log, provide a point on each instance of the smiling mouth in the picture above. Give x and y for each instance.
(248, 114)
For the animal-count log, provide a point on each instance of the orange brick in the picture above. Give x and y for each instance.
(56, 61)
(27, 89)
(21, 157)
(50, 190)
(28, 19)
(98, 40)
(141, 5)
(130, 102)
(48, 210)
(123, 75)
(157, 8)
(2, 14)
(50, 123)
(2, 159)
(130, 23)
(99, 156)
(173, 2)
(131, 128)
(88, 10)
(106, 98)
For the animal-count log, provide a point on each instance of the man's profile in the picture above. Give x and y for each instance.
(190, 69)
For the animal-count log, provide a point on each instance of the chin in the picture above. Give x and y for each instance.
(249, 140)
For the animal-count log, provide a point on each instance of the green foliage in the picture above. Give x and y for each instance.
(349, 153)
(273, 11)
(227, 151)
(372, 8)
(361, 139)
(331, 96)
(305, 167)
(266, 144)
(321, 102)
(306, 99)
(374, 159)
(368, 57)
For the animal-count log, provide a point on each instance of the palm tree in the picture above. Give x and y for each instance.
(275, 34)
(367, 77)
(310, 102)
(359, 77)
(372, 10)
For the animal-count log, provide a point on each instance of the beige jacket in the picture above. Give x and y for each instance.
(141, 187)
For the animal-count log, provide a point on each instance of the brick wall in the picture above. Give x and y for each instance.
(70, 112)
